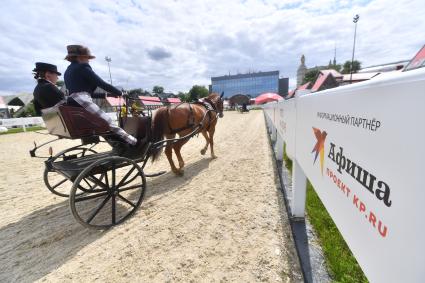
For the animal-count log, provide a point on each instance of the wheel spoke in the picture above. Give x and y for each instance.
(106, 180)
(98, 182)
(113, 209)
(91, 197)
(90, 186)
(122, 182)
(131, 180)
(60, 183)
(104, 186)
(130, 188)
(113, 174)
(93, 215)
(126, 200)
(113, 201)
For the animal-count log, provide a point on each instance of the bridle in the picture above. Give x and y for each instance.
(214, 106)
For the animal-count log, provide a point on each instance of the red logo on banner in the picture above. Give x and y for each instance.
(319, 148)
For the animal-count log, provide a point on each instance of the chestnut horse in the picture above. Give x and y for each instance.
(182, 119)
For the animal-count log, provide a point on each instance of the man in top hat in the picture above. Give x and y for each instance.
(81, 81)
(46, 94)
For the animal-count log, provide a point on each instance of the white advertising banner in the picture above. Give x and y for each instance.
(362, 148)
(285, 124)
(21, 121)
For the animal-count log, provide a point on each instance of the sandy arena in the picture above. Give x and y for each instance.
(223, 221)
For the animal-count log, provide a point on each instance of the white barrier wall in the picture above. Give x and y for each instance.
(362, 148)
(22, 122)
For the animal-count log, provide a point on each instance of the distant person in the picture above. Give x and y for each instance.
(244, 109)
(81, 81)
(46, 94)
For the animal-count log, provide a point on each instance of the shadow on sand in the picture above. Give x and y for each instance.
(42, 241)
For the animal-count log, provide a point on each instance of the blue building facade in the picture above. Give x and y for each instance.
(252, 84)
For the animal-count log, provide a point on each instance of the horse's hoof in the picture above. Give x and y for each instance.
(203, 151)
(213, 156)
(179, 172)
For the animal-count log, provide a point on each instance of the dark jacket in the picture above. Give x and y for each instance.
(46, 95)
(80, 77)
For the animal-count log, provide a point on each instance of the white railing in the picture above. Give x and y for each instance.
(362, 148)
(37, 121)
(22, 122)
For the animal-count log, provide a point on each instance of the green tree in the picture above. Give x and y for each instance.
(336, 67)
(28, 110)
(311, 76)
(158, 89)
(347, 67)
(135, 92)
(183, 96)
(197, 91)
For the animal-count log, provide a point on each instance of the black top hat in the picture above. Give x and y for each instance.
(39, 66)
(78, 50)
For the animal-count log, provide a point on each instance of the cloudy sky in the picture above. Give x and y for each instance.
(177, 44)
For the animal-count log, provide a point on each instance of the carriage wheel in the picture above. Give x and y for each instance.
(55, 182)
(116, 197)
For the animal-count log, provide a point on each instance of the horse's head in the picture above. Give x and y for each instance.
(217, 100)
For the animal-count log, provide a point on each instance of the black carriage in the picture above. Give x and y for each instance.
(240, 102)
(107, 188)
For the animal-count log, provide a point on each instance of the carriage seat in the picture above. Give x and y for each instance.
(138, 127)
(73, 122)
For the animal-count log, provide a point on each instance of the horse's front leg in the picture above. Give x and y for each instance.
(169, 154)
(177, 148)
(204, 149)
(211, 135)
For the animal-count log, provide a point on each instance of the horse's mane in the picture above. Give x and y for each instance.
(213, 97)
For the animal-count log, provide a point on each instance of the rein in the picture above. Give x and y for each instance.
(209, 107)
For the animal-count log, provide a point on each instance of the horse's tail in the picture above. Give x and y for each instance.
(159, 124)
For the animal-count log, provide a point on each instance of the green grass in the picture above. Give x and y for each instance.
(341, 263)
(288, 161)
(20, 130)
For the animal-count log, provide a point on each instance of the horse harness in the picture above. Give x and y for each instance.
(209, 106)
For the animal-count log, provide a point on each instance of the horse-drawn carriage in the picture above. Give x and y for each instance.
(107, 187)
(240, 102)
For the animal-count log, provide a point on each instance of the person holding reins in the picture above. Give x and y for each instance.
(81, 82)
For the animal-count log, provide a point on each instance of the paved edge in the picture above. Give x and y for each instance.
(309, 251)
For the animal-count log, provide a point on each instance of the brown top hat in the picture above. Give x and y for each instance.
(78, 50)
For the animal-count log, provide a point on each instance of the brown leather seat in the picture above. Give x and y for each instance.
(73, 122)
(76, 122)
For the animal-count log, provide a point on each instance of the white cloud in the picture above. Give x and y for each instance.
(177, 44)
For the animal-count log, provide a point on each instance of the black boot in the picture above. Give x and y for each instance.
(134, 151)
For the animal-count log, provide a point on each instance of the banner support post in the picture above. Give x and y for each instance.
(299, 190)
(279, 148)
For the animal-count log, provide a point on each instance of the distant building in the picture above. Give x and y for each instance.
(4, 111)
(388, 67)
(148, 100)
(325, 80)
(15, 103)
(302, 70)
(304, 87)
(251, 84)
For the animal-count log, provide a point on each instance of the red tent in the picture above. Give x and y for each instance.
(151, 101)
(115, 101)
(267, 97)
(173, 100)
